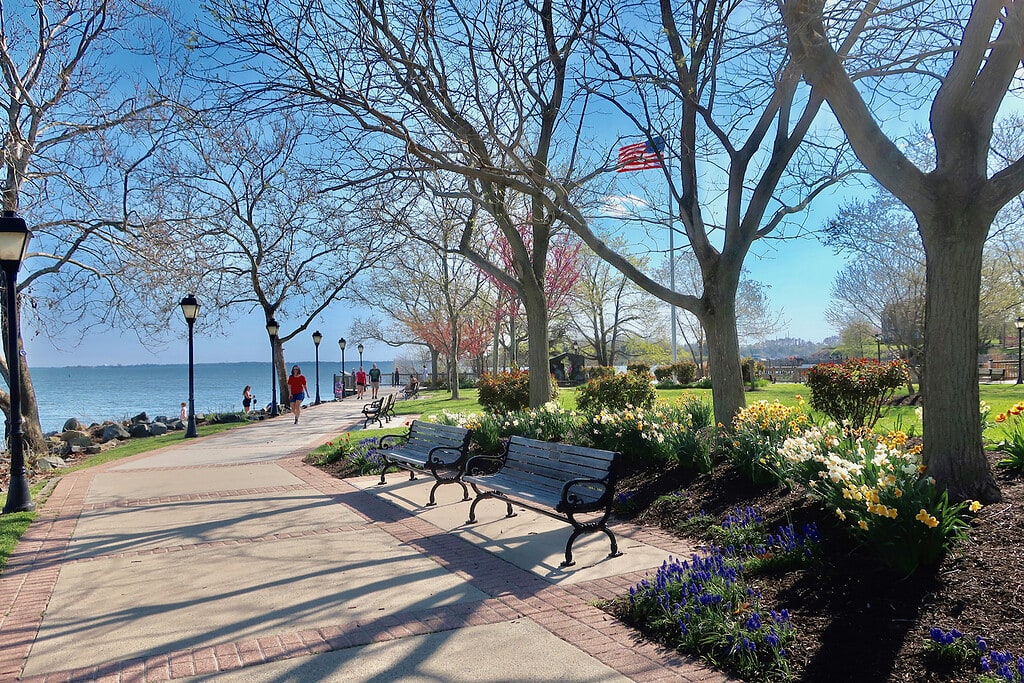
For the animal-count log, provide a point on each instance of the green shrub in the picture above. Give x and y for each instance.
(751, 369)
(854, 391)
(639, 368)
(598, 371)
(702, 383)
(507, 392)
(617, 392)
(664, 373)
(685, 371)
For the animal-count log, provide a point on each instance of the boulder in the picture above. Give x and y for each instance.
(50, 462)
(72, 424)
(139, 429)
(74, 437)
(94, 449)
(226, 418)
(141, 418)
(157, 428)
(114, 431)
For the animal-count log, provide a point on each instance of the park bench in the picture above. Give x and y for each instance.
(441, 450)
(555, 479)
(991, 374)
(379, 410)
(410, 392)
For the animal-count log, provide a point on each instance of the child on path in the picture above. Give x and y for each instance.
(297, 389)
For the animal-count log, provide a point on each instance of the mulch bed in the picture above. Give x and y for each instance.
(854, 620)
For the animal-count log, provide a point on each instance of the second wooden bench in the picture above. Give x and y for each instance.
(556, 479)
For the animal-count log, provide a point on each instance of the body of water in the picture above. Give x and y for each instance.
(115, 392)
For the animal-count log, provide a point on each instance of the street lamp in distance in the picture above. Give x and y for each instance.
(1020, 329)
(272, 329)
(341, 345)
(878, 345)
(360, 350)
(14, 237)
(317, 338)
(190, 309)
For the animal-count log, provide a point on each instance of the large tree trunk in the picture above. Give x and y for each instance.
(536, 307)
(727, 391)
(453, 366)
(953, 450)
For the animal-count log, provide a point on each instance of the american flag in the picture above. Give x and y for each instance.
(641, 155)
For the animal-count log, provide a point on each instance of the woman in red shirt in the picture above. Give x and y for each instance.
(360, 382)
(297, 389)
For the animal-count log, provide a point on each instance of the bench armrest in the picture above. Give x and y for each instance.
(398, 438)
(573, 503)
(484, 464)
(435, 459)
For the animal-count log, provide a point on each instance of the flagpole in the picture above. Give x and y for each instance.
(671, 249)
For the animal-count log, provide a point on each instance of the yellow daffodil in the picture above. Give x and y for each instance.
(974, 506)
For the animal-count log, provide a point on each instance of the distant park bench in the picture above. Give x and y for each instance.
(991, 374)
(380, 410)
(556, 479)
(441, 450)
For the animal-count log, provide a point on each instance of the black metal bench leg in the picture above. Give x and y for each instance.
(384, 468)
(568, 547)
(432, 490)
(465, 491)
(615, 546)
(472, 508)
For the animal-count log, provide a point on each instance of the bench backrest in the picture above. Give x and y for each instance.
(431, 435)
(548, 466)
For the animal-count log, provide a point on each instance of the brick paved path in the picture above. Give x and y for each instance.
(113, 584)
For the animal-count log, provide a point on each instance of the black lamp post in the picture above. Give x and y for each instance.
(317, 338)
(341, 345)
(360, 350)
(878, 344)
(190, 309)
(272, 330)
(1020, 328)
(14, 237)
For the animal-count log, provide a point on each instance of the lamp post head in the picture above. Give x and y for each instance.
(342, 343)
(317, 338)
(1019, 323)
(272, 327)
(14, 237)
(190, 308)
(878, 337)
(360, 349)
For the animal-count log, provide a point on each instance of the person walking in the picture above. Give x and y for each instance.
(297, 389)
(396, 377)
(360, 382)
(247, 399)
(374, 381)
(424, 374)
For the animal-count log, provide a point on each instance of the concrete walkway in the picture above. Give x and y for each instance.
(226, 557)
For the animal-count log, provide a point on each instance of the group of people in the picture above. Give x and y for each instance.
(297, 388)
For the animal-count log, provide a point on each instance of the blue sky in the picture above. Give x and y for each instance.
(799, 271)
